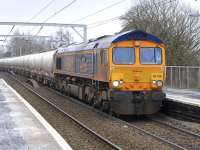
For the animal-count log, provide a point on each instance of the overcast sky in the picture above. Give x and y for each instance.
(24, 10)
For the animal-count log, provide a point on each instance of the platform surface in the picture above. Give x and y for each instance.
(20, 128)
(186, 96)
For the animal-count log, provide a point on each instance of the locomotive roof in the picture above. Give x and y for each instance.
(106, 41)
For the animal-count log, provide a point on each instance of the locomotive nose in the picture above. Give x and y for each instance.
(137, 78)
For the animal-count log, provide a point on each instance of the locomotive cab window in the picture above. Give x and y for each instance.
(123, 55)
(150, 55)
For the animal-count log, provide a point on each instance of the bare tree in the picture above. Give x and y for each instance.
(62, 38)
(172, 22)
(26, 45)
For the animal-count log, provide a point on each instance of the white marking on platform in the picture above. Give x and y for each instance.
(62, 143)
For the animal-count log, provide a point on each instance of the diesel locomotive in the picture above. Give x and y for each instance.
(123, 73)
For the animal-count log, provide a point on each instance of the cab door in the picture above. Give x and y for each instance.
(102, 65)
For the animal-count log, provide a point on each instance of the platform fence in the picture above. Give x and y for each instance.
(183, 77)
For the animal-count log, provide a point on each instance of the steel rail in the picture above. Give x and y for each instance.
(119, 120)
(114, 146)
(125, 122)
(157, 137)
(174, 127)
(184, 115)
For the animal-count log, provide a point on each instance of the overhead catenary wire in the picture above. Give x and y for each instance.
(41, 10)
(59, 11)
(100, 23)
(54, 14)
(9, 33)
(33, 17)
(110, 6)
(99, 11)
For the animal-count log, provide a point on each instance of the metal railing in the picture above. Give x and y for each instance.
(183, 77)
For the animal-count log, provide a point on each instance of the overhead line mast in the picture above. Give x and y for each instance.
(34, 16)
(83, 36)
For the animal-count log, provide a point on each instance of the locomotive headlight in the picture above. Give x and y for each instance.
(115, 83)
(154, 82)
(159, 83)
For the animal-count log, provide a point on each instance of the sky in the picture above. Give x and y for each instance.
(24, 10)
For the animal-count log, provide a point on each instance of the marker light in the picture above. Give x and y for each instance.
(159, 83)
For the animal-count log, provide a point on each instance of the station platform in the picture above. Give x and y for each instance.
(22, 127)
(184, 96)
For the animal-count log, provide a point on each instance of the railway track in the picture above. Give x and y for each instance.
(136, 127)
(165, 140)
(154, 135)
(147, 132)
(175, 127)
(83, 126)
(177, 137)
(185, 115)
